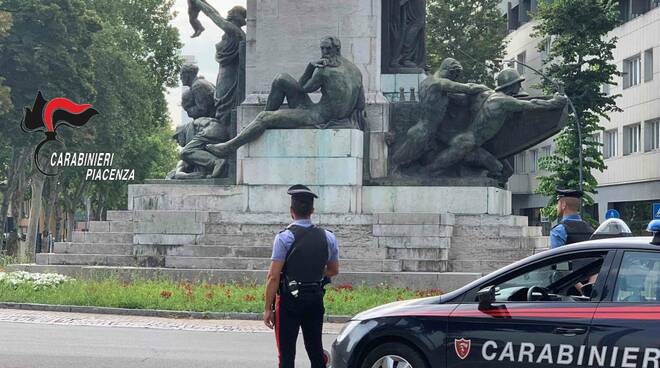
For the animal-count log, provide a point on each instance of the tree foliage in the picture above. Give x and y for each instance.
(472, 32)
(581, 60)
(119, 56)
(5, 100)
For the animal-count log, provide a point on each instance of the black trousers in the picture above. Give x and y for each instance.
(292, 314)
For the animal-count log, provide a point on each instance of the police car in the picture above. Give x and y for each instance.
(590, 304)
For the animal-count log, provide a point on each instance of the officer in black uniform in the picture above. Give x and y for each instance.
(571, 228)
(304, 256)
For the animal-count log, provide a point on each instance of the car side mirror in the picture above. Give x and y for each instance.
(486, 297)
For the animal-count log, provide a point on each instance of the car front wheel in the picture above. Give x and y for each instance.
(393, 355)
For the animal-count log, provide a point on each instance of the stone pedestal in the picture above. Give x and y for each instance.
(283, 36)
(310, 156)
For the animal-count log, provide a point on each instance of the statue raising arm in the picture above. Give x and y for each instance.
(213, 14)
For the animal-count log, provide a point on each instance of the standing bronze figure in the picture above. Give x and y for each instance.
(404, 22)
(230, 83)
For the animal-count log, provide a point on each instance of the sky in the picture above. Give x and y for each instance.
(202, 47)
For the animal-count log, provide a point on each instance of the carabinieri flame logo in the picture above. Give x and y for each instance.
(47, 116)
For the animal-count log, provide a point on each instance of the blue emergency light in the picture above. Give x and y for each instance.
(654, 227)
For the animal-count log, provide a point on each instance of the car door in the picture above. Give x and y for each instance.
(626, 327)
(516, 332)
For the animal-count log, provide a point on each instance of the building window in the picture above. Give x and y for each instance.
(533, 160)
(652, 134)
(546, 151)
(648, 65)
(631, 9)
(513, 22)
(544, 49)
(520, 163)
(632, 136)
(610, 144)
(521, 60)
(632, 71)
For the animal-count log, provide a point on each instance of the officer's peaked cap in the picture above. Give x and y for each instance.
(569, 193)
(301, 192)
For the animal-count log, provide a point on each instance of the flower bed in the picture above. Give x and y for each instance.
(167, 295)
(36, 281)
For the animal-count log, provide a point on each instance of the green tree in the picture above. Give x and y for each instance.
(472, 32)
(5, 100)
(45, 49)
(118, 55)
(581, 60)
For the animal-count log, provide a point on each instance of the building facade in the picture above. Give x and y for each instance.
(631, 138)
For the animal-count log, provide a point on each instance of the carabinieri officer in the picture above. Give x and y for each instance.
(571, 228)
(303, 255)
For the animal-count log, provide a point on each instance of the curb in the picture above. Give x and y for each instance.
(150, 312)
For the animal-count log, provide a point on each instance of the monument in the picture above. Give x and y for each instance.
(407, 185)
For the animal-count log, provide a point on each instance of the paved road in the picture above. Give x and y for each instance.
(62, 340)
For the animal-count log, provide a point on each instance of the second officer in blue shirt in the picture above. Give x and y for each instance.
(303, 255)
(571, 228)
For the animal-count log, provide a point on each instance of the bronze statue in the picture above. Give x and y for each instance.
(196, 162)
(198, 100)
(230, 83)
(495, 109)
(342, 97)
(434, 97)
(466, 134)
(405, 25)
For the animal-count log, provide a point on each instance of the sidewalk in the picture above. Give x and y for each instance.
(128, 321)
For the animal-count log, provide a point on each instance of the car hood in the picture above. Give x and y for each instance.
(424, 306)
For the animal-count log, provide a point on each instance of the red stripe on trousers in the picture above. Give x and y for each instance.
(277, 328)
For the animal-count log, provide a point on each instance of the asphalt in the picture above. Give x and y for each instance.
(30, 339)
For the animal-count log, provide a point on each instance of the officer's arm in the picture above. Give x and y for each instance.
(273, 283)
(332, 269)
(558, 236)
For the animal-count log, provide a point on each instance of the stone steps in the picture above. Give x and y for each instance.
(102, 237)
(349, 265)
(119, 215)
(345, 252)
(432, 254)
(490, 220)
(496, 231)
(257, 240)
(460, 242)
(423, 265)
(99, 260)
(445, 281)
(231, 263)
(111, 226)
(93, 248)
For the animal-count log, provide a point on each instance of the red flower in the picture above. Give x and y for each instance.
(249, 298)
(166, 294)
(348, 287)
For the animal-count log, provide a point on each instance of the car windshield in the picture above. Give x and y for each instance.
(565, 279)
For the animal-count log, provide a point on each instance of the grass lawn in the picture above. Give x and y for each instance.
(202, 297)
